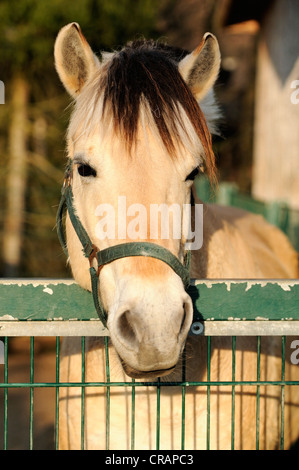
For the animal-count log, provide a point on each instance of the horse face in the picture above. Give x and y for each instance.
(120, 141)
(149, 312)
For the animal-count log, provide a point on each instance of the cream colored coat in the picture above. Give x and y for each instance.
(236, 245)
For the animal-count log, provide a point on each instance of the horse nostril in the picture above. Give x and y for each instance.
(125, 328)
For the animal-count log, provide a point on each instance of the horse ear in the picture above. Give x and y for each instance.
(200, 68)
(74, 60)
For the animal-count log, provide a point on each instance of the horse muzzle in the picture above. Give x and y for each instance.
(149, 336)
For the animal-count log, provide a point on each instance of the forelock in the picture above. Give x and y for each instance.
(144, 76)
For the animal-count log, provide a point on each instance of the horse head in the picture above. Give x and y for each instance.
(136, 139)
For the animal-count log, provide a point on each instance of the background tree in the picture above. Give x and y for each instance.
(34, 118)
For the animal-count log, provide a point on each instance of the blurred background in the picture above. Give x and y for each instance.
(257, 152)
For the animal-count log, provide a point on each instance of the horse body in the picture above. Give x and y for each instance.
(149, 312)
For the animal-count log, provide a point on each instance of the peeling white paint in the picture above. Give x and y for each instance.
(7, 317)
(36, 282)
(48, 290)
(209, 284)
(284, 284)
(261, 319)
(285, 287)
(254, 283)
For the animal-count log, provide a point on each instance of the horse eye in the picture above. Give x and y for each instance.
(192, 175)
(86, 170)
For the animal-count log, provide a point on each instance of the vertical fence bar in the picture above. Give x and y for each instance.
(57, 394)
(5, 392)
(107, 394)
(158, 416)
(82, 391)
(233, 392)
(183, 399)
(208, 391)
(258, 376)
(282, 393)
(133, 417)
(31, 392)
(226, 194)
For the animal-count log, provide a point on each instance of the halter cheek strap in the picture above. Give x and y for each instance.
(112, 253)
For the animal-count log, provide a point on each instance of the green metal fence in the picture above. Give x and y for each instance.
(277, 213)
(43, 308)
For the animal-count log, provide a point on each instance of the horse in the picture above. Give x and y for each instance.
(141, 129)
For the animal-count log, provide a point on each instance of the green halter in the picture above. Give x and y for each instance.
(112, 253)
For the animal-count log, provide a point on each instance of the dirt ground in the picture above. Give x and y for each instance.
(19, 398)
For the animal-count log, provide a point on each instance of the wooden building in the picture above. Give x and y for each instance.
(276, 107)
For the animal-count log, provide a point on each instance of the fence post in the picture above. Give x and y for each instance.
(273, 213)
(226, 193)
(203, 189)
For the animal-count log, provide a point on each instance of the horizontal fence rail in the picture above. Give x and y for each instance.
(44, 307)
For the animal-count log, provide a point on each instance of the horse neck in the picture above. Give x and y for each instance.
(218, 257)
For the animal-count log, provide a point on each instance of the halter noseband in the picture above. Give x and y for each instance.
(112, 253)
